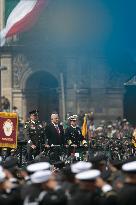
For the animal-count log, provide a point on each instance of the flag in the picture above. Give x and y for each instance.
(84, 127)
(22, 17)
(8, 129)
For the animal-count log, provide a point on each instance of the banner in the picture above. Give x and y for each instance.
(84, 127)
(8, 129)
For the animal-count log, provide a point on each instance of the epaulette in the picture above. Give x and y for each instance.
(26, 124)
(110, 193)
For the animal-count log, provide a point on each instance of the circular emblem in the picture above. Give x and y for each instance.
(8, 127)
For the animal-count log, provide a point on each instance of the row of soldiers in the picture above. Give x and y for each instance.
(41, 136)
(94, 182)
(114, 139)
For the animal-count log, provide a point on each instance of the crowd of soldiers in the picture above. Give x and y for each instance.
(116, 140)
(84, 183)
(59, 165)
(51, 139)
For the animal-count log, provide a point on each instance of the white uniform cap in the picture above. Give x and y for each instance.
(129, 167)
(99, 128)
(40, 176)
(88, 175)
(1, 168)
(0, 159)
(38, 166)
(109, 126)
(2, 175)
(73, 117)
(80, 166)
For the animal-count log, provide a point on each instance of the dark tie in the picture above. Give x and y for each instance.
(58, 130)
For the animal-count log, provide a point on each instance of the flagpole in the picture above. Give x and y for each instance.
(63, 97)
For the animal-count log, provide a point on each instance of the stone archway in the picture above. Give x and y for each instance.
(41, 92)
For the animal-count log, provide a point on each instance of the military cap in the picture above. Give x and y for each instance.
(2, 176)
(39, 166)
(109, 126)
(98, 160)
(40, 176)
(73, 118)
(80, 166)
(59, 164)
(124, 120)
(0, 160)
(99, 129)
(1, 168)
(117, 163)
(10, 163)
(88, 175)
(129, 167)
(34, 112)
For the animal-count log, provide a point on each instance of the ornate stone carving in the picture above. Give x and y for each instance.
(20, 65)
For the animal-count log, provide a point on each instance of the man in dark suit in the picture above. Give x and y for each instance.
(55, 137)
(54, 131)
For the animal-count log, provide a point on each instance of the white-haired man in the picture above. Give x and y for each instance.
(55, 131)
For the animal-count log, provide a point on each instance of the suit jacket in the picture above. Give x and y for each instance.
(53, 136)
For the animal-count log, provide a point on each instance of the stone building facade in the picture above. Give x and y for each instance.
(33, 78)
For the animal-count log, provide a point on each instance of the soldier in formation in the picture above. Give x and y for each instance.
(81, 182)
(35, 135)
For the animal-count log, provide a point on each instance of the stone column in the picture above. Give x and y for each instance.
(71, 85)
(2, 13)
(6, 78)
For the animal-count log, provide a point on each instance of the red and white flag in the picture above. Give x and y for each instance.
(22, 17)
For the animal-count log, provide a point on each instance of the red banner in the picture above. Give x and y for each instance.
(8, 129)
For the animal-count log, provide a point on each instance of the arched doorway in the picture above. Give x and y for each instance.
(130, 101)
(41, 92)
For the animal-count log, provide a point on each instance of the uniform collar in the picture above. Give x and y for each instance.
(73, 126)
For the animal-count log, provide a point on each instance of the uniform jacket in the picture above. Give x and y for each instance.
(35, 133)
(73, 135)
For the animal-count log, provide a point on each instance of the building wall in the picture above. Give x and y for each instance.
(55, 45)
(86, 83)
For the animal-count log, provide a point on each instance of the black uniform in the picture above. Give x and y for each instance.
(127, 195)
(73, 136)
(35, 135)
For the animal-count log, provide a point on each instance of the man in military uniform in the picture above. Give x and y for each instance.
(127, 194)
(73, 134)
(35, 135)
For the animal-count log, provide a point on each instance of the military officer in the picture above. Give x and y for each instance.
(35, 135)
(127, 194)
(73, 134)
